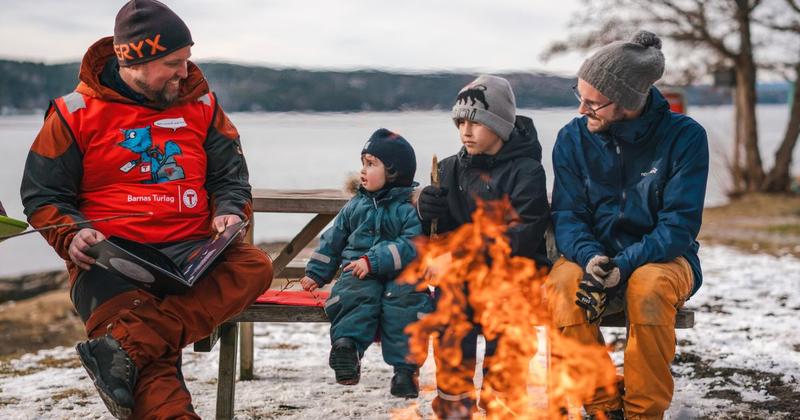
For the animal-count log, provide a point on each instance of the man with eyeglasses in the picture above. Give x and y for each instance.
(630, 180)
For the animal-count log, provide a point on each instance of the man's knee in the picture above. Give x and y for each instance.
(109, 311)
(651, 295)
(94, 288)
(253, 269)
(265, 273)
(561, 285)
(564, 278)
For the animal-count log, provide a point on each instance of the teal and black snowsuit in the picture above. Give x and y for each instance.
(380, 226)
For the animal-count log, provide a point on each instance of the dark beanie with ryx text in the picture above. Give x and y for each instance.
(146, 30)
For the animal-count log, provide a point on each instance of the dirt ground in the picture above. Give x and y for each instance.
(41, 322)
(758, 222)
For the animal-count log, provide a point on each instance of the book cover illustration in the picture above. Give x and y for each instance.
(151, 270)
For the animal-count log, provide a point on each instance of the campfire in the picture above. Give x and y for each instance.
(507, 296)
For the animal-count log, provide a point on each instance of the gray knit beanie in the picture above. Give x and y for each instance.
(625, 71)
(490, 101)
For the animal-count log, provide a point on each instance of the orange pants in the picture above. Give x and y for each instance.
(154, 331)
(653, 294)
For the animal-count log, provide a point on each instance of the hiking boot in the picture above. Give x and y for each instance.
(345, 362)
(405, 383)
(617, 414)
(453, 410)
(112, 371)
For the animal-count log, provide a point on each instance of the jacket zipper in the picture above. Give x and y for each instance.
(623, 195)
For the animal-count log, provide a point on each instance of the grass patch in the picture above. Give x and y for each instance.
(51, 362)
(283, 346)
(8, 401)
(7, 369)
(768, 223)
(785, 229)
(69, 393)
(757, 205)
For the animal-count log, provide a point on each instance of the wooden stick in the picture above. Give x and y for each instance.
(435, 183)
(82, 222)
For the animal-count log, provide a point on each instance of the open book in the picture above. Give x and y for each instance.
(151, 270)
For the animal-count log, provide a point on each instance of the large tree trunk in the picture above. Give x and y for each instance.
(746, 100)
(736, 163)
(779, 178)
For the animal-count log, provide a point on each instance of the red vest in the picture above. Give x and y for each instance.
(139, 159)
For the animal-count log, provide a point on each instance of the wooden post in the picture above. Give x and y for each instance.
(246, 354)
(246, 330)
(226, 385)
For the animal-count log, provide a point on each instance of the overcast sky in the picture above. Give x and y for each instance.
(411, 35)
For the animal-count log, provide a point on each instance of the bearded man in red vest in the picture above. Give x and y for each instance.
(143, 133)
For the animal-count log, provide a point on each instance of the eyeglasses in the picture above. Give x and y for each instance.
(592, 111)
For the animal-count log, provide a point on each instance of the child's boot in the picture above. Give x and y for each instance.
(345, 362)
(405, 383)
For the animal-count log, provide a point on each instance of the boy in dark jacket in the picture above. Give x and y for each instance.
(372, 238)
(501, 156)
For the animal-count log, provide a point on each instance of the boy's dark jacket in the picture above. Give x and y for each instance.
(515, 171)
(634, 193)
(379, 225)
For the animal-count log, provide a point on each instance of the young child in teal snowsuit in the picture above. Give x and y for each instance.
(372, 239)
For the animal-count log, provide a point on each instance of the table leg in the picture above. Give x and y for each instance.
(246, 348)
(226, 385)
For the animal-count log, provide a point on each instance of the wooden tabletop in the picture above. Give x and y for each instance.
(322, 201)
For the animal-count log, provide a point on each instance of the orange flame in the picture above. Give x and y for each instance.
(507, 297)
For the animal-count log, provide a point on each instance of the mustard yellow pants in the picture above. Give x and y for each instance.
(653, 294)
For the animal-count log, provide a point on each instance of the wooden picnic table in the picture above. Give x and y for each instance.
(324, 204)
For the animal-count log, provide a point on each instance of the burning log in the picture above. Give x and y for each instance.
(506, 295)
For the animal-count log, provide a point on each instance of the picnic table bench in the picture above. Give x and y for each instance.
(325, 204)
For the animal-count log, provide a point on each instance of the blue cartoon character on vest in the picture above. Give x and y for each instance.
(162, 166)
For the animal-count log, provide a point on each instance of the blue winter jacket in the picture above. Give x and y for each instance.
(635, 192)
(380, 225)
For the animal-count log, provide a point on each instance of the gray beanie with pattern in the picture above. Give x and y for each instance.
(625, 71)
(490, 101)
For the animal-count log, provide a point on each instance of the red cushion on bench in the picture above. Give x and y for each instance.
(294, 297)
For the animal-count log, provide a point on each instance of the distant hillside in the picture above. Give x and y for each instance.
(26, 86)
(265, 89)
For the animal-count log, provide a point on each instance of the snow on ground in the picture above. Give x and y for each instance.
(742, 360)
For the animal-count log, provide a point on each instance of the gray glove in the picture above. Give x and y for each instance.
(604, 270)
